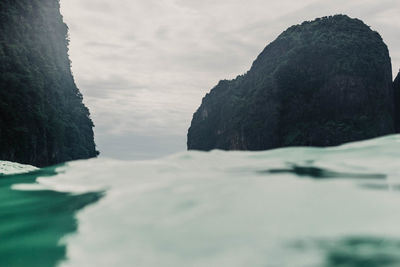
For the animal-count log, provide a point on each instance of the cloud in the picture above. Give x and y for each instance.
(144, 66)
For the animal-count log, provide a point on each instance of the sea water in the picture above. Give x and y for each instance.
(297, 207)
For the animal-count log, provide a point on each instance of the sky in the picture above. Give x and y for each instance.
(143, 66)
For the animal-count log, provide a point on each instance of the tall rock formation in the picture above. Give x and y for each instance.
(321, 83)
(42, 118)
(396, 87)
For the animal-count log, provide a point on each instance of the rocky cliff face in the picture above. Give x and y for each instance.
(321, 83)
(42, 118)
(396, 87)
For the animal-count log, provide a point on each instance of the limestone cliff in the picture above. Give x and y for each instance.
(321, 83)
(396, 87)
(42, 118)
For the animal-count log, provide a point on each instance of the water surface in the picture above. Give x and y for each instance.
(308, 207)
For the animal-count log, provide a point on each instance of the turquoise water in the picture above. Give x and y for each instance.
(300, 207)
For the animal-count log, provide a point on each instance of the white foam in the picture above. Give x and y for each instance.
(8, 168)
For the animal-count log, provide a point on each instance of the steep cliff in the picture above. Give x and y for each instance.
(321, 83)
(396, 87)
(42, 118)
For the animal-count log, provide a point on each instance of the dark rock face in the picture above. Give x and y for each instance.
(321, 83)
(42, 118)
(396, 87)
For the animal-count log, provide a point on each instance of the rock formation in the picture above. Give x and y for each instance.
(396, 87)
(42, 118)
(321, 83)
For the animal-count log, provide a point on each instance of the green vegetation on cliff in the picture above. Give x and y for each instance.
(321, 83)
(42, 118)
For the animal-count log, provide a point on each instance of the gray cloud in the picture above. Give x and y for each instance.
(144, 66)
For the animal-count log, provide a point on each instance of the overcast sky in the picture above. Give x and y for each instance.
(143, 66)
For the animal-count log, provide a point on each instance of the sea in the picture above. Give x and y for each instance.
(294, 207)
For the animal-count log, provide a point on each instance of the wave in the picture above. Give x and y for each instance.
(301, 206)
